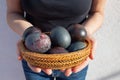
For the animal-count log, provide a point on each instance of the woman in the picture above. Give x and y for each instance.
(48, 13)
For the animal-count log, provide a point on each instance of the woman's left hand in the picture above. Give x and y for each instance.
(78, 68)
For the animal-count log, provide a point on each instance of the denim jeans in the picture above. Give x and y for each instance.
(30, 75)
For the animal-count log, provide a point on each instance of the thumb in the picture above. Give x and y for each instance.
(18, 51)
(92, 53)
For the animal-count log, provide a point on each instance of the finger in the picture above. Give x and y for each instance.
(19, 58)
(62, 70)
(81, 66)
(92, 53)
(34, 69)
(47, 71)
(18, 54)
(18, 51)
(68, 72)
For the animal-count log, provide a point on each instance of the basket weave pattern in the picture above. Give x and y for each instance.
(55, 61)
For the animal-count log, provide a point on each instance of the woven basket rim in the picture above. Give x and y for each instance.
(36, 54)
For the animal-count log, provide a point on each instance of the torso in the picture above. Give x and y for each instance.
(47, 14)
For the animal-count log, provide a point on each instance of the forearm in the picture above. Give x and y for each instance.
(93, 23)
(17, 22)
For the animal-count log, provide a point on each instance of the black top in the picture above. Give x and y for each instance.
(47, 14)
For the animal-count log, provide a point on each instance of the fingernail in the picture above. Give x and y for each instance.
(50, 72)
(38, 71)
(19, 58)
(67, 75)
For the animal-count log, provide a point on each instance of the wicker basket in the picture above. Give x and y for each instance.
(55, 61)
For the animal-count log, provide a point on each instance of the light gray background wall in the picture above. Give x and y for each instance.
(105, 66)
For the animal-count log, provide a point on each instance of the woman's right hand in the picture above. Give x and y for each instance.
(33, 68)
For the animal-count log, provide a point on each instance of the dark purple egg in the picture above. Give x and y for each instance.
(38, 42)
(57, 50)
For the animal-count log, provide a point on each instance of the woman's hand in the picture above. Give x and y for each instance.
(78, 68)
(33, 68)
